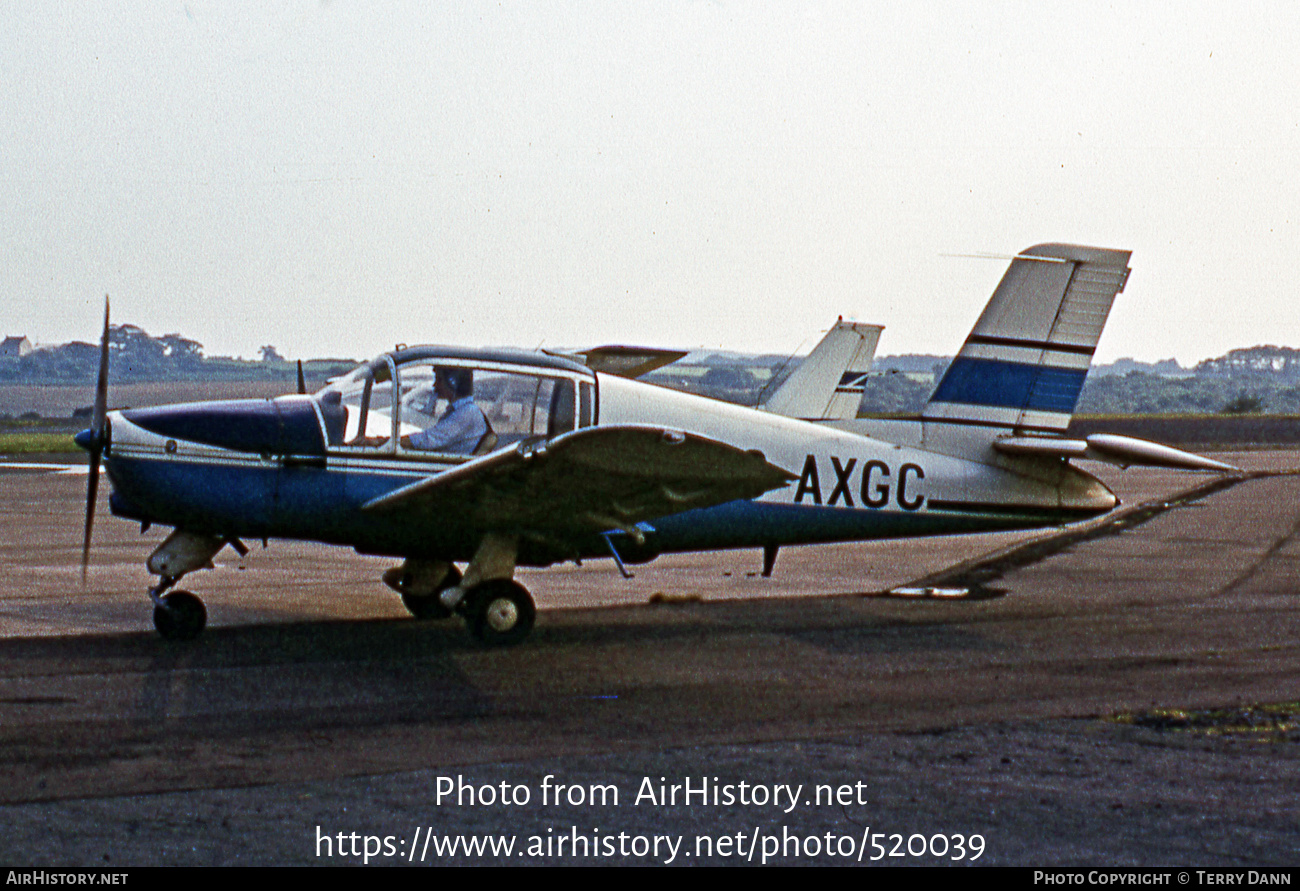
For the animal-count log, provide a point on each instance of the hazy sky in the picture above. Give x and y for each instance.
(333, 178)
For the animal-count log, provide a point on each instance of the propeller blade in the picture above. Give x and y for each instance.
(92, 492)
(99, 430)
(101, 384)
(302, 381)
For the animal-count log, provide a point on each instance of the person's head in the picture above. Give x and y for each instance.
(454, 383)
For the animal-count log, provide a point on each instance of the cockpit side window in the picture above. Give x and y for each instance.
(586, 404)
(516, 405)
(562, 408)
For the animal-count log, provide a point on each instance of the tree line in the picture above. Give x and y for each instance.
(1261, 379)
(137, 357)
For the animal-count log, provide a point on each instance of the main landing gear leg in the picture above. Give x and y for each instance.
(420, 582)
(498, 610)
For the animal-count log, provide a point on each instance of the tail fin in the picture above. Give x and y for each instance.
(1024, 363)
(829, 383)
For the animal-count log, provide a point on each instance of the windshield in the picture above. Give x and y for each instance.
(358, 409)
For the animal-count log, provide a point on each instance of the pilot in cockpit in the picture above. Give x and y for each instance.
(463, 426)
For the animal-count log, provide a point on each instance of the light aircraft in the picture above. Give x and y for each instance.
(578, 463)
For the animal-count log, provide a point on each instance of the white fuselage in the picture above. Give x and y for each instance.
(848, 470)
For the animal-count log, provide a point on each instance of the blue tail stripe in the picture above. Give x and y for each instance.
(1011, 385)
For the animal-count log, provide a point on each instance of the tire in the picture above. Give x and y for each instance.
(180, 616)
(501, 613)
(428, 606)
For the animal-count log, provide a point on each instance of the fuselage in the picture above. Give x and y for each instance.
(301, 467)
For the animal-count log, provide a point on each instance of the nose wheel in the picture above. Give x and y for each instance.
(179, 616)
(499, 612)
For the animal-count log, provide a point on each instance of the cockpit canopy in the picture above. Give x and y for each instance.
(381, 404)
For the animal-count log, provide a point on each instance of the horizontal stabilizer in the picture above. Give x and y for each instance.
(590, 481)
(1125, 451)
(1041, 446)
(828, 384)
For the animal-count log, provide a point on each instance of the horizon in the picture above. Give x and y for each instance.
(691, 352)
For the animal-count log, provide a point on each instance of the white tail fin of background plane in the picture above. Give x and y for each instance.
(829, 383)
(1024, 363)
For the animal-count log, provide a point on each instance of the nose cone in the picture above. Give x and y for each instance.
(85, 439)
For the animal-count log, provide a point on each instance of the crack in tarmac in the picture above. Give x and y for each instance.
(1255, 567)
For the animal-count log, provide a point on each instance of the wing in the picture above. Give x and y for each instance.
(625, 361)
(590, 481)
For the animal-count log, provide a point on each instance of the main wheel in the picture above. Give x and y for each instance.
(180, 616)
(428, 606)
(500, 612)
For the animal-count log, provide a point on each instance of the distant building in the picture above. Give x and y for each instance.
(15, 347)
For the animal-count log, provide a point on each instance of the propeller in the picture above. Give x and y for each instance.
(302, 381)
(98, 439)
